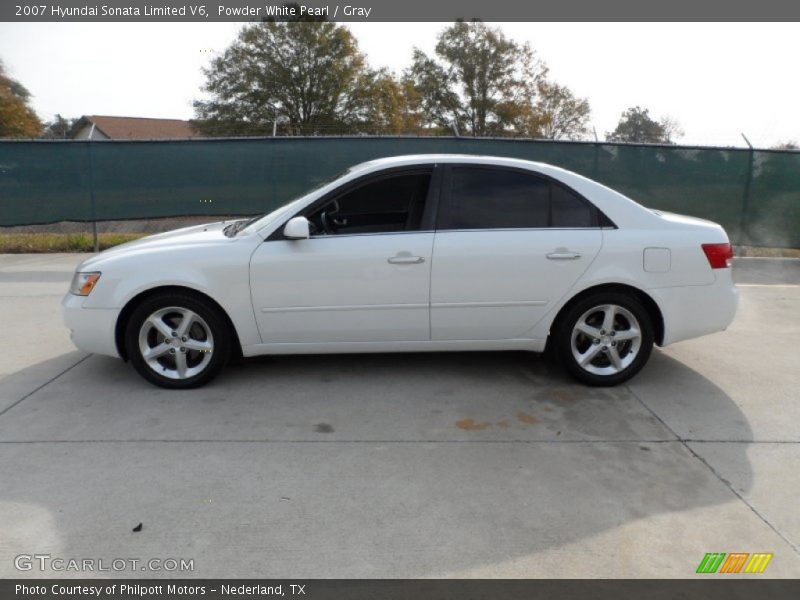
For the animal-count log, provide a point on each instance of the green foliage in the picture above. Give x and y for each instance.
(480, 80)
(558, 114)
(386, 106)
(432, 100)
(309, 76)
(636, 125)
(17, 118)
(19, 243)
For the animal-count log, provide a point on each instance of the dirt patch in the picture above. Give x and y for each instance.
(527, 419)
(471, 425)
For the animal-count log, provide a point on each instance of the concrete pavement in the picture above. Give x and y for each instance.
(454, 465)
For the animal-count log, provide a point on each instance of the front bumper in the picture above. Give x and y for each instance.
(697, 310)
(91, 329)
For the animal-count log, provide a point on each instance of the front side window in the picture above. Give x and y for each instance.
(488, 198)
(391, 203)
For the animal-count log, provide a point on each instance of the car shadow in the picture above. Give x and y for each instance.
(385, 465)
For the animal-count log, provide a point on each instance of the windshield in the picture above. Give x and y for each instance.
(259, 221)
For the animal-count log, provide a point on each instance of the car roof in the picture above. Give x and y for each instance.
(564, 175)
(412, 159)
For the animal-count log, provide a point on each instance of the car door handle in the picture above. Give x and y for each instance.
(564, 255)
(405, 259)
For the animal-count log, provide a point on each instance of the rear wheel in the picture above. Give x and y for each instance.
(177, 341)
(605, 339)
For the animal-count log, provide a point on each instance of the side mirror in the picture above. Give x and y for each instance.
(297, 229)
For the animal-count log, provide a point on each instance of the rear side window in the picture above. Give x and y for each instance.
(487, 198)
(494, 199)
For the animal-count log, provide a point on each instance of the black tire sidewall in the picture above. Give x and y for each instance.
(563, 337)
(210, 314)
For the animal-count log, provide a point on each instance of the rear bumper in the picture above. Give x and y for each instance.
(91, 329)
(693, 311)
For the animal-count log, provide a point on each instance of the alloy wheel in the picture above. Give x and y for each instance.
(606, 339)
(176, 342)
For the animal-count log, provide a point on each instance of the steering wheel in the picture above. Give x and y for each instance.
(327, 220)
(327, 223)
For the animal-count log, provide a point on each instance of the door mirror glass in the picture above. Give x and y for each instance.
(296, 229)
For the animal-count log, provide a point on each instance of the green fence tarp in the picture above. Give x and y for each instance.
(755, 195)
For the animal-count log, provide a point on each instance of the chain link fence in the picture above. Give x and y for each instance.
(754, 194)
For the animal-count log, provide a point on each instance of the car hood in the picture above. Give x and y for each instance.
(209, 233)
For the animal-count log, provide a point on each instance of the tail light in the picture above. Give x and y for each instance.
(719, 255)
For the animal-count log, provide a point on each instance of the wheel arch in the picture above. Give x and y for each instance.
(130, 306)
(647, 301)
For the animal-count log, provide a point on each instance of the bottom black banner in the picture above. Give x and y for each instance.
(402, 589)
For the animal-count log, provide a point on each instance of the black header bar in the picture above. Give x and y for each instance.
(400, 10)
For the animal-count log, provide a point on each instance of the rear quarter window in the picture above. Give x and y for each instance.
(569, 210)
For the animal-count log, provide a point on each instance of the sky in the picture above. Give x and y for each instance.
(718, 80)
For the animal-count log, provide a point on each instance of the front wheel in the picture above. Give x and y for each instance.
(605, 339)
(177, 341)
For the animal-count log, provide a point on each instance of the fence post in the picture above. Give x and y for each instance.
(743, 229)
(95, 240)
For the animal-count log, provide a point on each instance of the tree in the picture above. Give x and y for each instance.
(387, 106)
(308, 74)
(479, 80)
(429, 95)
(17, 118)
(59, 128)
(672, 128)
(557, 114)
(636, 125)
(789, 145)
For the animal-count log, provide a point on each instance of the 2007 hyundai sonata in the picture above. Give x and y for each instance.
(413, 254)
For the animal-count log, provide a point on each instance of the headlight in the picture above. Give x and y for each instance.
(83, 283)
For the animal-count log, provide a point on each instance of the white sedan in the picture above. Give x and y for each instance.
(413, 254)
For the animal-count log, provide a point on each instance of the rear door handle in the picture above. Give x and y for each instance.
(564, 255)
(406, 259)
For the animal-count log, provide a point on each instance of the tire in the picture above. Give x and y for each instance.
(187, 360)
(597, 356)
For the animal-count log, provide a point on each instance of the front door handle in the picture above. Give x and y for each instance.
(405, 259)
(564, 255)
